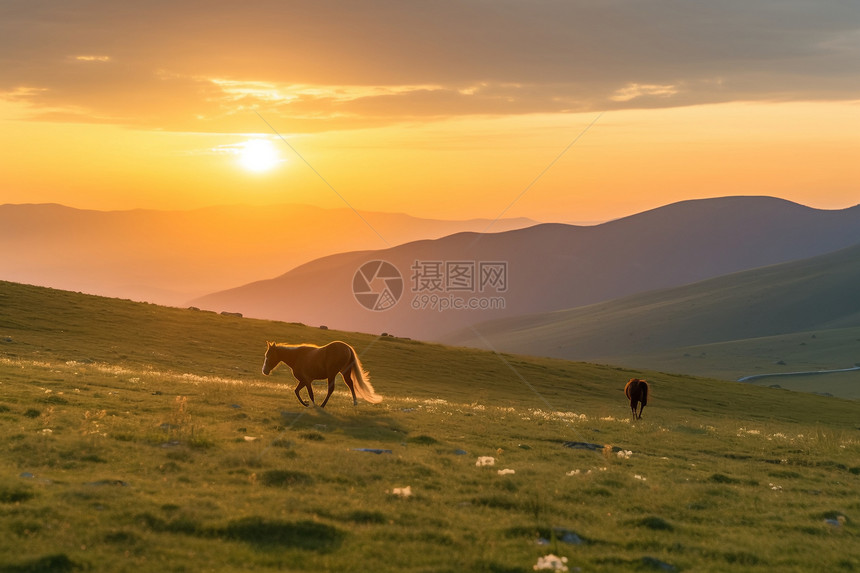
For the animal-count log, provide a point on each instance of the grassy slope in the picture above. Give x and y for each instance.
(137, 437)
(753, 315)
(797, 352)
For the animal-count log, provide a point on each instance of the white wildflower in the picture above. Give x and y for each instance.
(551, 563)
(485, 461)
(572, 473)
(402, 491)
(624, 454)
(538, 413)
(505, 472)
(637, 476)
(571, 416)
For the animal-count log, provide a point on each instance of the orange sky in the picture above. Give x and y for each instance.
(451, 113)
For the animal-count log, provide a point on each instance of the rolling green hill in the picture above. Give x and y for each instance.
(780, 356)
(804, 314)
(142, 438)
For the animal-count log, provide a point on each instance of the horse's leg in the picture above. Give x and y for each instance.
(301, 385)
(347, 377)
(330, 390)
(310, 387)
(641, 407)
(629, 396)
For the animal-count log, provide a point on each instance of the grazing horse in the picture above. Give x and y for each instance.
(636, 391)
(310, 362)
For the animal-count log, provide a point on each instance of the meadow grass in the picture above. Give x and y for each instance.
(140, 438)
(830, 349)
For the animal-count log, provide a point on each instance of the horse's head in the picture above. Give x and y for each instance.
(271, 359)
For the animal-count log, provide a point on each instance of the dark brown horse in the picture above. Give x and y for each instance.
(636, 391)
(310, 362)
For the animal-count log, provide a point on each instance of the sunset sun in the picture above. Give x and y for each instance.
(258, 155)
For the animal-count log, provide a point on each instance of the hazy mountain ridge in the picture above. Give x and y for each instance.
(171, 256)
(554, 266)
(798, 296)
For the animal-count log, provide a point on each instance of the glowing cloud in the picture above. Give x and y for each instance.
(633, 91)
(89, 58)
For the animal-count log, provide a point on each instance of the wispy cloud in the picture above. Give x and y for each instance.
(334, 65)
(90, 58)
(633, 91)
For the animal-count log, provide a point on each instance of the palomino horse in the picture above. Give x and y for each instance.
(636, 391)
(310, 362)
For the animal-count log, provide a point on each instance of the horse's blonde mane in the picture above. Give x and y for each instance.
(282, 345)
(285, 345)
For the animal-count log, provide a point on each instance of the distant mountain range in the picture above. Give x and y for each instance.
(169, 257)
(547, 267)
(814, 294)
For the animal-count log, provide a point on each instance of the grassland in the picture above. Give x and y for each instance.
(835, 348)
(142, 438)
(798, 316)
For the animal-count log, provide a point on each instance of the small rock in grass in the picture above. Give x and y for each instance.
(658, 565)
(567, 536)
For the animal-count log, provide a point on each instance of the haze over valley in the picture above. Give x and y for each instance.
(170, 257)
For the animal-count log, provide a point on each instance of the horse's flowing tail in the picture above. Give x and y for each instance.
(361, 381)
(644, 387)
